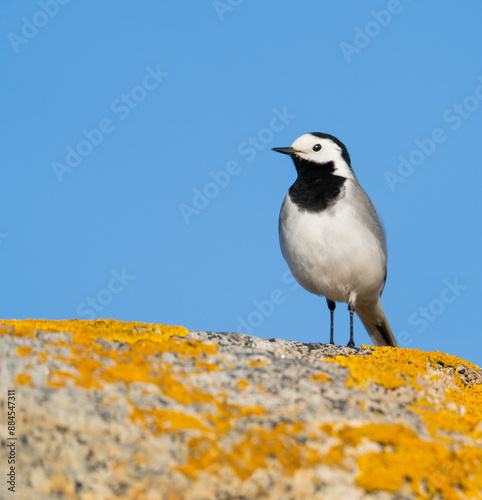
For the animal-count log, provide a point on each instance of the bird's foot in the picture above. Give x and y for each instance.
(351, 344)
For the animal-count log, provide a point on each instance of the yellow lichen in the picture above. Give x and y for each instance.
(23, 379)
(444, 420)
(160, 420)
(23, 351)
(320, 377)
(203, 366)
(386, 366)
(257, 363)
(216, 418)
(86, 354)
(242, 384)
(428, 467)
(257, 449)
(108, 329)
(392, 367)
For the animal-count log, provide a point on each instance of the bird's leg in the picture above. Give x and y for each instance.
(351, 308)
(331, 306)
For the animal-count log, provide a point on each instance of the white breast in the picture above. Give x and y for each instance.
(332, 253)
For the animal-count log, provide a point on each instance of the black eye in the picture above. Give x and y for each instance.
(316, 147)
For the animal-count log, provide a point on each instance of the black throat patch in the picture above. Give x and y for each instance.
(316, 187)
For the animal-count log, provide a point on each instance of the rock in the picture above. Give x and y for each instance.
(113, 410)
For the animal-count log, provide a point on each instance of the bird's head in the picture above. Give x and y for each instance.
(317, 149)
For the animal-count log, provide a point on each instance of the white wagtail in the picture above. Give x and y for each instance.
(331, 235)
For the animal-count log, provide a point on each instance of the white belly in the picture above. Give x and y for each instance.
(332, 253)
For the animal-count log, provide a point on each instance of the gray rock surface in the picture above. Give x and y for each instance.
(229, 416)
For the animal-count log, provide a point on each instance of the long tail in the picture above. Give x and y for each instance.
(374, 319)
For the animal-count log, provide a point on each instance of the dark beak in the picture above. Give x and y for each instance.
(286, 151)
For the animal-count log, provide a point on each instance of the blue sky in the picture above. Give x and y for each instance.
(138, 181)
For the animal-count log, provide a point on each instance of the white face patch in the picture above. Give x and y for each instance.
(317, 150)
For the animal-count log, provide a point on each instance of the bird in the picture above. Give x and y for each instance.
(331, 235)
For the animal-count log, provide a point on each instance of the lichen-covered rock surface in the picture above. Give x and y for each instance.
(112, 410)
